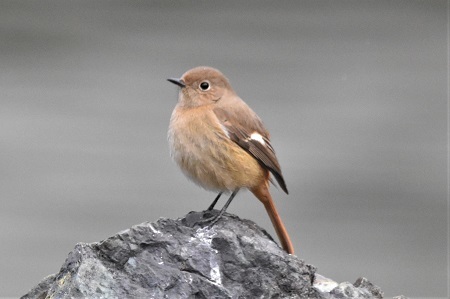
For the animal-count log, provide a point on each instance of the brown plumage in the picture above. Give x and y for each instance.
(221, 144)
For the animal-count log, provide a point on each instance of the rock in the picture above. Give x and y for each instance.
(40, 291)
(323, 284)
(362, 288)
(183, 259)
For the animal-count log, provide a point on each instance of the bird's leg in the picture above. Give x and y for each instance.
(214, 202)
(216, 218)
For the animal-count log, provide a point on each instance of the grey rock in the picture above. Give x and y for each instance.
(183, 258)
(362, 288)
(40, 290)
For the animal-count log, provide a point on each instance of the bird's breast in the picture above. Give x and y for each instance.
(205, 154)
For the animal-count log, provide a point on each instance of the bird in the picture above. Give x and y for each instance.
(221, 144)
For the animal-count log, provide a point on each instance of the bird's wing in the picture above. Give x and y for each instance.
(246, 130)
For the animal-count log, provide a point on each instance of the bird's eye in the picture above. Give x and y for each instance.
(204, 85)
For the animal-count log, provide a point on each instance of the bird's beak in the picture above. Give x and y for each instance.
(177, 81)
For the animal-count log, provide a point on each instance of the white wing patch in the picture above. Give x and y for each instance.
(224, 129)
(257, 137)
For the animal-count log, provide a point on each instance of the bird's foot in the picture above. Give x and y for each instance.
(212, 218)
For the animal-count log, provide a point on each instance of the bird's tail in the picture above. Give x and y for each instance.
(263, 194)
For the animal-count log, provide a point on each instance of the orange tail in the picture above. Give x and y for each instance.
(263, 194)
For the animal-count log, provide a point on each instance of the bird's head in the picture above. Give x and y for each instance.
(202, 86)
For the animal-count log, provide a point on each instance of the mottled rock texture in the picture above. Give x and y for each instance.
(184, 258)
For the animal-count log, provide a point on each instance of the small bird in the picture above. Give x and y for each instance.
(221, 144)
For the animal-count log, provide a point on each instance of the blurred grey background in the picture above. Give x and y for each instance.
(353, 92)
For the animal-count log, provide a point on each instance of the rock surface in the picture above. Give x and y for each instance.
(184, 259)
